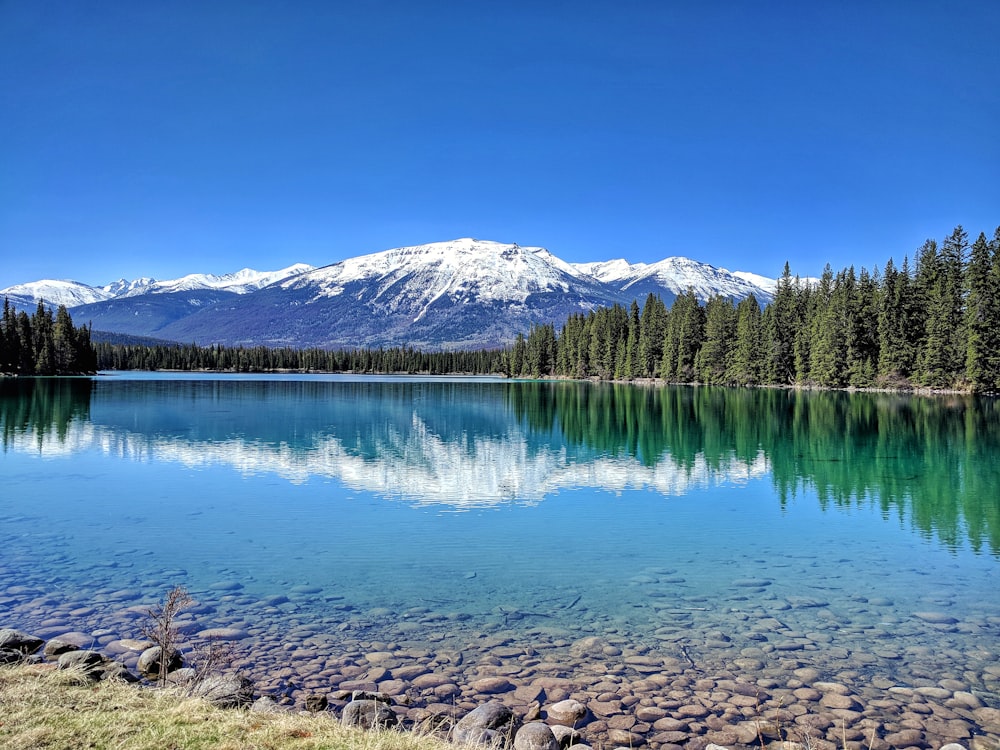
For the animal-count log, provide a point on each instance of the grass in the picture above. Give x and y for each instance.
(44, 708)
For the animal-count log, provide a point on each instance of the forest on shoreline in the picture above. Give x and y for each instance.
(935, 324)
(44, 343)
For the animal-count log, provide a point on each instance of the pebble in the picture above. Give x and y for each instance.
(222, 634)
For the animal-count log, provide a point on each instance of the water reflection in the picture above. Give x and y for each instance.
(932, 463)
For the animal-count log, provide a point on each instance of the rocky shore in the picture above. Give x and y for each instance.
(599, 693)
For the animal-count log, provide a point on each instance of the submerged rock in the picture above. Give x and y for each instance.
(535, 736)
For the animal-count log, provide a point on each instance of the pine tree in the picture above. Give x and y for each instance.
(630, 367)
(713, 363)
(652, 325)
(9, 355)
(863, 338)
(780, 332)
(982, 317)
(684, 336)
(942, 358)
(747, 362)
(828, 340)
(895, 358)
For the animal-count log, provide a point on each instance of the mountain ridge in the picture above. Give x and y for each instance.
(463, 293)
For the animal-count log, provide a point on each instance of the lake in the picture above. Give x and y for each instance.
(695, 564)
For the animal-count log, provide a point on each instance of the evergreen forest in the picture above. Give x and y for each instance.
(44, 343)
(935, 324)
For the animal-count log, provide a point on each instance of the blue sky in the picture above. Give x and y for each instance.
(165, 137)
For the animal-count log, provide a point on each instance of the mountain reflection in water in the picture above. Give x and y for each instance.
(933, 462)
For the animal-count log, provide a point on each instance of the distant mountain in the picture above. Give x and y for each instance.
(73, 293)
(54, 292)
(673, 276)
(461, 294)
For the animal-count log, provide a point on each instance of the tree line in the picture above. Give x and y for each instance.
(44, 343)
(184, 357)
(936, 324)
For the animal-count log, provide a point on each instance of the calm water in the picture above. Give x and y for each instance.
(766, 529)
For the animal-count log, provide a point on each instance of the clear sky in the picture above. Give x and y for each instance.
(166, 137)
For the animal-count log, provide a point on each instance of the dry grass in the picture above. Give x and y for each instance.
(59, 710)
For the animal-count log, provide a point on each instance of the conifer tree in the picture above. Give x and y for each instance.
(942, 358)
(713, 364)
(652, 324)
(982, 317)
(780, 332)
(747, 361)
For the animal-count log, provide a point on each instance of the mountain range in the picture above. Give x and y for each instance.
(460, 294)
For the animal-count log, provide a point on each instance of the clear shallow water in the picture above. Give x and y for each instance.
(736, 531)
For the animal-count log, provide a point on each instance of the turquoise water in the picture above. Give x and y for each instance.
(855, 532)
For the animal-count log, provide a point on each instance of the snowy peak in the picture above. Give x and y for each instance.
(460, 269)
(611, 271)
(243, 281)
(678, 275)
(55, 292)
(75, 293)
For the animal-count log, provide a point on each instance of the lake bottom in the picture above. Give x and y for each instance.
(662, 656)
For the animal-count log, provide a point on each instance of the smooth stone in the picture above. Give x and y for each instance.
(568, 712)
(226, 586)
(840, 702)
(492, 685)
(905, 738)
(535, 736)
(669, 724)
(650, 713)
(429, 680)
(223, 634)
(832, 687)
(484, 724)
(693, 711)
(964, 699)
(625, 738)
(936, 618)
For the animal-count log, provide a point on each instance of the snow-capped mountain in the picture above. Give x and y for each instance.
(75, 293)
(676, 275)
(241, 282)
(464, 293)
(53, 291)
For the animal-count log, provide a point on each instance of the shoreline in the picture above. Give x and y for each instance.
(634, 695)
